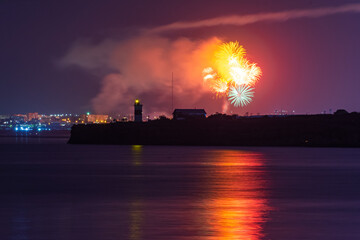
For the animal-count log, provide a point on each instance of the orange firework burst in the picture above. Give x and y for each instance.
(230, 69)
(214, 81)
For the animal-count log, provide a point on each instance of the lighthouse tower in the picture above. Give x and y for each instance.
(138, 111)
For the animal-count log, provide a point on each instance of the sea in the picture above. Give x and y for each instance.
(53, 190)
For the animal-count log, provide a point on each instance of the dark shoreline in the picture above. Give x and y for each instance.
(301, 130)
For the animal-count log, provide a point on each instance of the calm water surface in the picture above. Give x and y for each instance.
(50, 190)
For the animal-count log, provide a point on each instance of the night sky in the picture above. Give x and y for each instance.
(58, 56)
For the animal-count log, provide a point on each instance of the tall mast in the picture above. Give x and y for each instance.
(172, 92)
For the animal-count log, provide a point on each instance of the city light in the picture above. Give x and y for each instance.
(34, 123)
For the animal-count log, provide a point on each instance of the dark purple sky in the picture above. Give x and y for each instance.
(309, 65)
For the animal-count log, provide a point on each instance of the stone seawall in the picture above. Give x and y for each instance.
(305, 130)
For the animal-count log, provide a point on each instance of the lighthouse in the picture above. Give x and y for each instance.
(138, 111)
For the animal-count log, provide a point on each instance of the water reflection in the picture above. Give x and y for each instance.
(151, 193)
(135, 209)
(235, 207)
(157, 192)
(20, 226)
(231, 202)
(136, 219)
(136, 154)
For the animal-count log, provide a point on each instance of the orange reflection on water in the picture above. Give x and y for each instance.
(236, 206)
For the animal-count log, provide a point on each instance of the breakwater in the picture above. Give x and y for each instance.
(304, 130)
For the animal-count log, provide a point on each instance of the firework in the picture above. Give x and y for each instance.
(208, 74)
(215, 82)
(231, 52)
(220, 86)
(254, 73)
(241, 95)
(227, 56)
(232, 74)
(245, 73)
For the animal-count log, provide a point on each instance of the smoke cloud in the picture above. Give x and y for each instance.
(237, 20)
(142, 68)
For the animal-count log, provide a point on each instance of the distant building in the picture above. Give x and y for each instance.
(19, 118)
(82, 118)
(94, 118)
(124, 119)
(341, 112)
(4, 117)
(184, 114)
(31, 116)
(138, 111)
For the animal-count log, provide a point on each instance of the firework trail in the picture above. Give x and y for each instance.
(232, 74)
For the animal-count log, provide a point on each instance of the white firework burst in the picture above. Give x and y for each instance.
(241, 95)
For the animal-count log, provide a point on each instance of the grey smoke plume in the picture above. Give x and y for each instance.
(241, 20)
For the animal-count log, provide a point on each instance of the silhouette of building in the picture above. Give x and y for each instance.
(185, 114)
(137, 111)
(341, 112)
